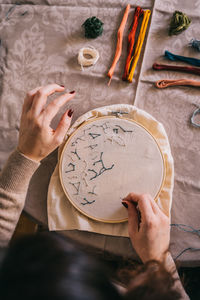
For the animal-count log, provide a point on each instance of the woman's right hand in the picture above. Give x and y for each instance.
(149, 227)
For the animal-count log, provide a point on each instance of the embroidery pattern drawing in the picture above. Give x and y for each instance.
(87, 160)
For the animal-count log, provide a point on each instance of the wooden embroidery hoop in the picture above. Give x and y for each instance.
(62, 155)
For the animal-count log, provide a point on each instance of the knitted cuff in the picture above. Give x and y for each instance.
(17, 172)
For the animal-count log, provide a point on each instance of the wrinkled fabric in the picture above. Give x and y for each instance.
(39, 44)
(61, 213)
(174, 107)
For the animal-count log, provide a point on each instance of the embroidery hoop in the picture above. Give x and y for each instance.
(196, 112)
(61, 160)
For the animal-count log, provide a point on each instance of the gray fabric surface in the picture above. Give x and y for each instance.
(173, 107)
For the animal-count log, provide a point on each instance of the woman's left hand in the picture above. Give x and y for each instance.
(36, 138)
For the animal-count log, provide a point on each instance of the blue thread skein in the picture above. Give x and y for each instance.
(189, 60)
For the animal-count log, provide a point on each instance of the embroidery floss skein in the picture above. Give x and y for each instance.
(131, 40)
(179, 23)
(138, 47)
(93, 27)
(160, 67)
(164, 83)
(188, 60)
(119, 43)
(86, 62)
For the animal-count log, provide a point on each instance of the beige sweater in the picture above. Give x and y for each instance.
(14, 182)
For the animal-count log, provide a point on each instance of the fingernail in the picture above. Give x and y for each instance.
(62, 85)
(125, 204)
(72, 92)
(70, 112)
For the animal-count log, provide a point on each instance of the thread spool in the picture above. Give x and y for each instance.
(85, 61)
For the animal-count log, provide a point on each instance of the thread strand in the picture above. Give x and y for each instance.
(186, 228)
(131, 40)
(188, 60)
(164, 83)
(139, 44)
(192, 70)
(185, 250)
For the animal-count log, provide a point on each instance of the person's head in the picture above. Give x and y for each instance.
(45, 266)
(153, 282)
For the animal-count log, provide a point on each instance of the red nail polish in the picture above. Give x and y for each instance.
(72, 92)
(125, 204)
(62, 85)
(70, 112)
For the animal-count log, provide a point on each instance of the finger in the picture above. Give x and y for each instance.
(63, 126)
(41, 95)
(144, 204)
(133, 197)
(133, 222)
(52, 109)
(155, 206)
(28, 99)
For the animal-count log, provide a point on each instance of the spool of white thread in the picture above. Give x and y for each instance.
(86, 62)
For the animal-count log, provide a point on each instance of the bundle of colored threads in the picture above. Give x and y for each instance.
(134, 52)
(189, 60)
(93, 27)
(179, 23)
(138, 47)
(164, 83)
(118, 50)
(131, 40)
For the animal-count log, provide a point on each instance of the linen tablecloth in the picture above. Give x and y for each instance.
(40, 40)
(174, 107)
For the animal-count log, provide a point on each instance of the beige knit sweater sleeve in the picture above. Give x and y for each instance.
(171, 267)
(14, 181)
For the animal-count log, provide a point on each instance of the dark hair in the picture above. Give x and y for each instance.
(49, 267)
(153, 282)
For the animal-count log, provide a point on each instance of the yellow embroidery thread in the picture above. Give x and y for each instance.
(139, 44)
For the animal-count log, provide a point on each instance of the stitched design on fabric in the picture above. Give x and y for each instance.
(92, 146)
(93, 191)
(76, 185)
(124, 130)
(72, 168)
(94, 135)
(102, 170)
(80, 138)
(75, 152)
(91, 141)
(87, 202)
